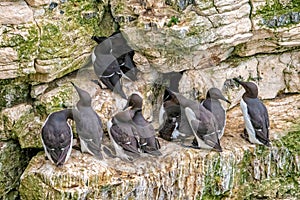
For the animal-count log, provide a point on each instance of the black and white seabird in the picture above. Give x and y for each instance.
(213, 104)
(88, 124)
(194, 119)
(57, 136)
(107, 68)
(124, 136)
(172, 119)
(255, 114)
(149, 143)
(204, 126)
(124, 54)
(112, 59)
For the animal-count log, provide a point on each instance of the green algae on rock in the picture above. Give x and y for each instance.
(13, 161)
(12, 92)
(244, 172)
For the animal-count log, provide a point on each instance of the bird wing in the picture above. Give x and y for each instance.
(127, 141)
(57, 140)
(260, 121)
(89, 128)
(114, 84)
(205, 133)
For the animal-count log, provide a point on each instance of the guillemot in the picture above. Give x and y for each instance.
(204, 126)
(57, 136)
(107, 68)
(124, 136)
(149, 143)
(88, 124)
(194, 119)
(255, 114)
(213, 104)
(112, 59)
(172, 119)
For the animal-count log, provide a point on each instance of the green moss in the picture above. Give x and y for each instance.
(59, 99)
(12, 162)
(245, 168)
(27, 129)
(291, 141)
(26, 44)
(12, 92)
(274, 8)
(173, 21)
(195, 31)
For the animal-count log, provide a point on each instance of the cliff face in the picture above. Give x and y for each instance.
(43, 45)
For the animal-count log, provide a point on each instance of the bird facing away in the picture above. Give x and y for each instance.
(57, 136)
(148, 142)
(112, 59)
(255, 114)
(213, 104)
(124, 135)
(88, 124)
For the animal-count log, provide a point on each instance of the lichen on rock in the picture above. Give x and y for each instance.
(13, 161)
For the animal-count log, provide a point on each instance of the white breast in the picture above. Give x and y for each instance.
(191, 116)
(248, 124)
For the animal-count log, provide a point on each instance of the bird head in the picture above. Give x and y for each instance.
(250, 87)
(215, 93)
(85, 98)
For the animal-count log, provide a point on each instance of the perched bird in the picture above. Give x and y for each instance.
(194, 119)
(57, 136)
(124, 136)
(204, 126)
(88, 124)
(107, 68)
(255, 114)
(148, 141)
(124, 54)
(213, 104)
(112, 59)
(172, 119)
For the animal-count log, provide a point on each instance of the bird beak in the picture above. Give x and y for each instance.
(227, 101)
(75, 86)
(239, 81)
(127, 106)
(78, 90)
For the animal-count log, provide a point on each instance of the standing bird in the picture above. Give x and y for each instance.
(255, 114)
(148, 141)
(57, 136)
(88, 125)
(213, 104)
(124, 136)
(112, 59)
(193, 119)
(172, 119)
(204, 126)
(107, 68)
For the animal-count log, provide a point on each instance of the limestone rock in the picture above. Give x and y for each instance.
(13, 162)
(272, 73)
(65, 38)
(200, 36)
(182, 172)
(22, 124)
(15, 12)
(36, 3)
(12, 92)
(275, 27)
